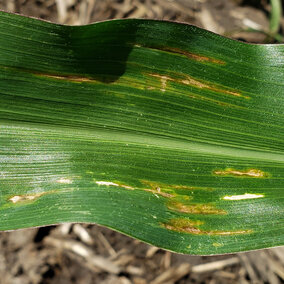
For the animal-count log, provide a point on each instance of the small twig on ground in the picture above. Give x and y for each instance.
(83, 251)
(124, 259)
(173, 274)
(166, 261)
(106, 244)
(151, 251)
(134, 270)
(247, 265)
(216, 265)
(83, 234)
(64, 229)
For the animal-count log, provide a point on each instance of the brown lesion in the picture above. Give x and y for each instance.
(196, 83)
(169, 190)
(182, 225)
(153, 184)
(204, 209)
(28, 197)
(207, 85)
(158, 191)
(70, 78)
(164, 80)
(162, 189)
(182, 52)
(190, 55)
(158, 188)
(57, 76)
(172, 194)
(254, 173)
(31, 197)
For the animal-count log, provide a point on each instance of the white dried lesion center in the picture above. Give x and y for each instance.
(64, 181)
(243, 196)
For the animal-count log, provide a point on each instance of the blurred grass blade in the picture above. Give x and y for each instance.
(162, 131)
(275, 16)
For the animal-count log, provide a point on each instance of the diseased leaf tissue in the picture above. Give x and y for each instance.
(163, 131)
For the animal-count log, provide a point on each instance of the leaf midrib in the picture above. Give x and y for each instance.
(141, 139)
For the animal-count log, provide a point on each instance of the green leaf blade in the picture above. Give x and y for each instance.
(162, 131)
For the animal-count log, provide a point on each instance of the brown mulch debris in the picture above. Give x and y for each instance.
(59, 254)
(228, 17)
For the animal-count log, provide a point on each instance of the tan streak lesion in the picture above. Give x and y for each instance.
(204, 209)
(70, 78)
(30, 197)
(158, 191)
(182, 225)
(182, 52)
(154, 184)
(65, 77)
(194, 56)
(254, 173)
(157, 188)
(169, 190)
(193, 82)
(116, 184)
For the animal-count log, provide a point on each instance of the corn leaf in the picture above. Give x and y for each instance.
(163, 131)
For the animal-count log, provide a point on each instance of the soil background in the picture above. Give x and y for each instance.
(84, 253)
